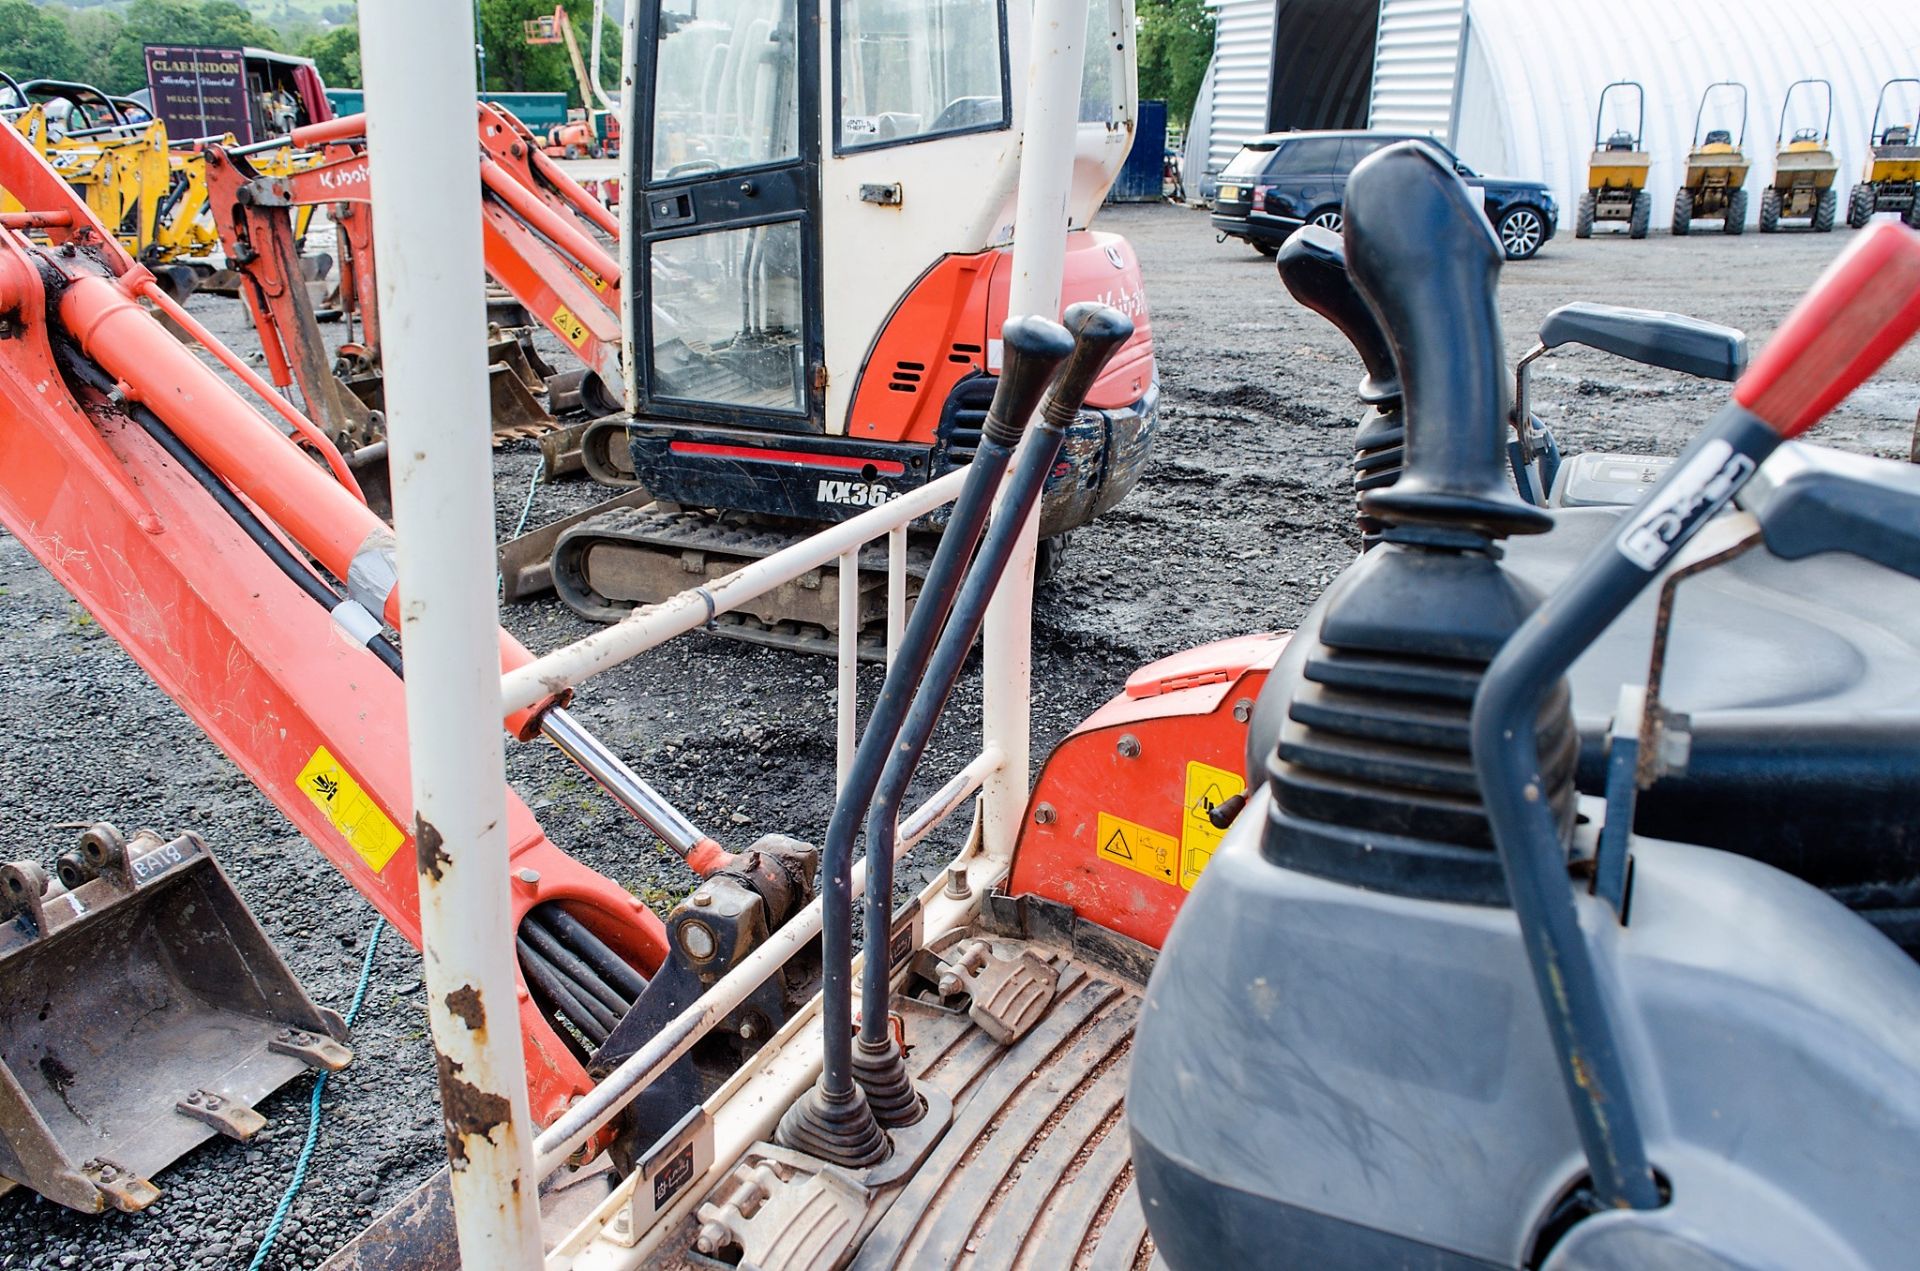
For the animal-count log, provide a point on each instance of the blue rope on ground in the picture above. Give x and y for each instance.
(527, 507)
(285, 1206)
(533, 485)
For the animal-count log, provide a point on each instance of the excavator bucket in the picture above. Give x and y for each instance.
(142, 1011)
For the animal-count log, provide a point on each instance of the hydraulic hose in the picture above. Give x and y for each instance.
(1098, 333)
(349, 614)
(1034, 348)
(569, 963)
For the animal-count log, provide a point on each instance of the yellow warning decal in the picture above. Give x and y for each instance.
(1207, 788)
(595, 281)
(571, 329)
(367, 829)
(1138, 848)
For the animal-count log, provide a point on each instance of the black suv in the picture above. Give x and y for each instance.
(1284, 180)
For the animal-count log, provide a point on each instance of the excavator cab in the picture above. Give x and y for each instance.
(775, 145)
(1428, 1005)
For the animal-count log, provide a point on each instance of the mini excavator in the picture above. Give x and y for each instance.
(1360, 945)
(774, 145)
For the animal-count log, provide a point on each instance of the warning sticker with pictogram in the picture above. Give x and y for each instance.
(361, 821)
(1140, 849)
(1207, 788)
(570, 328)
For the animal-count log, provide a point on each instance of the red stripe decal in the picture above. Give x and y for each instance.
(795, 458)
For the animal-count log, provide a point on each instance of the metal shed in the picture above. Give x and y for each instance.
(1513, 84)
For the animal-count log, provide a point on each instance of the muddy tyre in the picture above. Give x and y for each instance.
(1825, 209)
(1912, 214)
(1583, 217)
(1860, 206)
(1642, 215)
(1682, 212)
(1769, 211)
(1735, 221)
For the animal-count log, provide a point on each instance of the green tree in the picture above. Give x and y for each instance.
(515, 66)
(1175, 42)
(94, 32)
(336, 54)
(36, 43)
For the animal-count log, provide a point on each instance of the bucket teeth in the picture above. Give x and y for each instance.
(231, 1117)
(124, 1189)
(312, 1049)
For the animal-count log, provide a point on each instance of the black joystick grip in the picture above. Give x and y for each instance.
(1098, 332)
(1421, 252)
(1032, 349)
(1313, 265)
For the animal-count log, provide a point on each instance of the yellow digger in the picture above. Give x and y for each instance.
(1715, 184)
(1893, 168)
(1617, 172)
(1804, 170)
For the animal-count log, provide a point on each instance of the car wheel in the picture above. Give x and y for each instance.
(1522, 230)
(1328, 218)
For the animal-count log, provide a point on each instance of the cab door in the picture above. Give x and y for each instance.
(724, 153)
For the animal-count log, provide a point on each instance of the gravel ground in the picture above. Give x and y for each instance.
(1242, 518)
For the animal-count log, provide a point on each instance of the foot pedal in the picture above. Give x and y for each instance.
(1010, 995)
(782, 1211)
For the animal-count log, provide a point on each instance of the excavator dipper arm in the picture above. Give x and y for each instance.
(286, 686)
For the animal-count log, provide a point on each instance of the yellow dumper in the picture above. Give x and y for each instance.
(1893, 169)
(1617, 172)
(1804, 168)
(1715, 184)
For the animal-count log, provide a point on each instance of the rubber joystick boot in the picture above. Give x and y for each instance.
(881, 1072)
(838, 1129)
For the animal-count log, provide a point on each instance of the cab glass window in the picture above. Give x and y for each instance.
(907, 70)
(1104, 71)
(725, 83)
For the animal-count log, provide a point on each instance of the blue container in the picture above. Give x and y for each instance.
(1141, 177)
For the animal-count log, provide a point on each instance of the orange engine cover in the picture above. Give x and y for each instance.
(1117, 827)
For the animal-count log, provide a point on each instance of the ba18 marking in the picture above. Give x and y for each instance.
(853, 494)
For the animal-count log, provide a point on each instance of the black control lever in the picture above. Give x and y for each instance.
(1422, 255)
(832, 1120)
(1313, 266)
(1672, 341)
(1098, 332)
(1858, 315)
(1810, 500)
